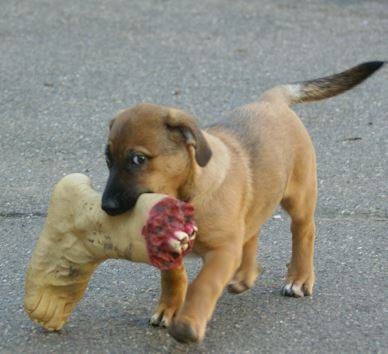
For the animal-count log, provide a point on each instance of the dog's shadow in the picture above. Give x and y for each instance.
(123, 316)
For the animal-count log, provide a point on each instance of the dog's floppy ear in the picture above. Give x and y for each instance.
(176, 119)
(113, 119)
(111, 123)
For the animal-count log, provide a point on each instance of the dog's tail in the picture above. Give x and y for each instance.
(329, 86)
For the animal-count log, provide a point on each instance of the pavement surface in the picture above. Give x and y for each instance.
(66, 67)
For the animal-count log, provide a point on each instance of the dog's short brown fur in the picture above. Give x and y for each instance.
(235, 173)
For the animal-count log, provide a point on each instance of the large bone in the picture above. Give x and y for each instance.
(77, 236)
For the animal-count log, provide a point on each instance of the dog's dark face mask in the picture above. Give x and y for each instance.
(151, 149)
(119, 195)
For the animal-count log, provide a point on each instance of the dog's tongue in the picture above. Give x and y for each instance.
(169, 232)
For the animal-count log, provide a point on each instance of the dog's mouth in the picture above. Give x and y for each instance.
(115, 212)
(114, 206)
(147, 191)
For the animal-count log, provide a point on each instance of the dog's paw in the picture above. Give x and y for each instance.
(238, 287)
(299, 287)
(293, 290)
(244, 279)
(186, 331)
(163, 315)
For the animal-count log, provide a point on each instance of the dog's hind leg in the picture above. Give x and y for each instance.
(249, 269)
(299, 201)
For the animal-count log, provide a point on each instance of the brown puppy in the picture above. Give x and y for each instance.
(235, 172)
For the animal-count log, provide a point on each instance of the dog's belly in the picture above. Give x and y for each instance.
(257, 217)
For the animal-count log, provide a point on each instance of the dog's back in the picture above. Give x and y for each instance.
(276, 142)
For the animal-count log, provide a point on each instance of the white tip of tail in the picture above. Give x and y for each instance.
(293, 91)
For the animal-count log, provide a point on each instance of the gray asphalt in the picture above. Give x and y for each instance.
(66, 67)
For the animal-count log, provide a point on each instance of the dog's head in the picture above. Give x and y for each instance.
(151, 149)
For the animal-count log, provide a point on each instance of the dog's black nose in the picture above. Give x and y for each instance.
(110, 206)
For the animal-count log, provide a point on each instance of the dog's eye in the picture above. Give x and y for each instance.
(138, 159)
(108, 157)
(108, 162)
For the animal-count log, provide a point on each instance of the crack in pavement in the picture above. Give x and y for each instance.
(321, 216)
(362, 216)
(15, 214)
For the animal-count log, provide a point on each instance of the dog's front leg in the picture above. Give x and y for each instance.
(218, 269)
(173, 291)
